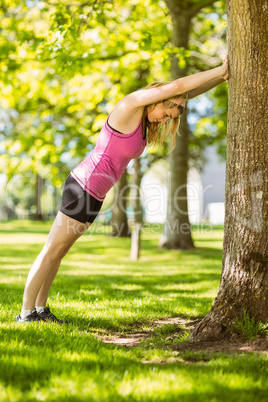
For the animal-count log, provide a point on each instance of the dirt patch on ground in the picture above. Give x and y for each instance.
(137, 334)
(259, 345)
(134, 337)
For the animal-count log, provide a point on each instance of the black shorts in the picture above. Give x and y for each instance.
(78, 203)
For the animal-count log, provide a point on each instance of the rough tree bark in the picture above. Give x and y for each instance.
(244, 280)
(177, 229)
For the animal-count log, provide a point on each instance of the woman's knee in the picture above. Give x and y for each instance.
(55, 253)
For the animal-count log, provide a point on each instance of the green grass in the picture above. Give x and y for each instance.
(248, 328)
(101, 291)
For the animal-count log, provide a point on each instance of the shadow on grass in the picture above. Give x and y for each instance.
(154, 297)
(79, 360)
(26, 253)
(134, 286)
(148, 248)
(115, 284)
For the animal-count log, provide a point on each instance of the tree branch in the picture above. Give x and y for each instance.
(114, 56)
(100, 58)
(195, 9)
(82, 5)
(71, 4)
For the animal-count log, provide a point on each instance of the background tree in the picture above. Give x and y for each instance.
(177, 228)
(244, 280)
(119, 217)
(135, 188)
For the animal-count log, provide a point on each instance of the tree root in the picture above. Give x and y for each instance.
(209, 329)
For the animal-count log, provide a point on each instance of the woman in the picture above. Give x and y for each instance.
(135, 117)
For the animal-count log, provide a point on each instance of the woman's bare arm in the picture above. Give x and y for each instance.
(204, 88)
(146, 97)
(129, 110)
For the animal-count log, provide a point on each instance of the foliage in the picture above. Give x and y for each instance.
(64, 66)
(60, 91)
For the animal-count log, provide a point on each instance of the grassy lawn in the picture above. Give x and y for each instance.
(102, 292)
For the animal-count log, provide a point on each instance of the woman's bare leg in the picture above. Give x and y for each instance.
(63, 233)
(42, 296)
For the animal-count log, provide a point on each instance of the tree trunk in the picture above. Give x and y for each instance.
(39, 184)
(119, 218)
(56, 200)
(177, 229)
(244, 280)
(135, 189)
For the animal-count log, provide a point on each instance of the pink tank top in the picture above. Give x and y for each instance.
(109, 159)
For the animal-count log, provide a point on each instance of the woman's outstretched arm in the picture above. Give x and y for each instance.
(210, 84)
(204, 88)
(146, 97)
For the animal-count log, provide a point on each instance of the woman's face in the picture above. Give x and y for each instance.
(161, 114)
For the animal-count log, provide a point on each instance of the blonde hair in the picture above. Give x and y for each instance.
(159, 130)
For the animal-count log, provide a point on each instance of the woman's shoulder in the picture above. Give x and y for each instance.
(123, 118)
